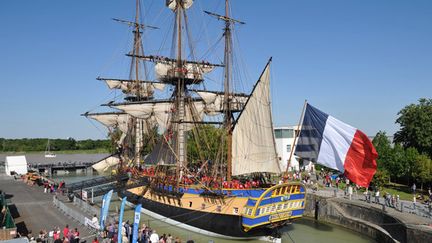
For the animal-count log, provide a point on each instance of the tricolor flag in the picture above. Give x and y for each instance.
(326, 140)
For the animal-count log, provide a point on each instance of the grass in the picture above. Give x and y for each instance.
(403, 191)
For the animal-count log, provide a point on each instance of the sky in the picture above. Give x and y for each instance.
(359, 61)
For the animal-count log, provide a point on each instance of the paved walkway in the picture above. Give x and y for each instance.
(419, 216)
(34, 208)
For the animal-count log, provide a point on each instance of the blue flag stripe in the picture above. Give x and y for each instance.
(311, 134)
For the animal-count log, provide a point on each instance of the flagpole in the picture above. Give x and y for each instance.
(295, 136)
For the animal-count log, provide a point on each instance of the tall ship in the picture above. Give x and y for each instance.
(207, 157)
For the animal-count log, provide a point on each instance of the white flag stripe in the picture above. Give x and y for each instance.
(337, 139)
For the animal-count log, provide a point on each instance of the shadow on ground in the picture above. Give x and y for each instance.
(22, 228)
(14, 211)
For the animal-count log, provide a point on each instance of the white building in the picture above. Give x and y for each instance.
(17, 164)
(284, 137)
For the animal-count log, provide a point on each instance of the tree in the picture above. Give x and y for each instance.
(383, 147)
(424, 171)
(412, 168)
(415, 122)
(380, 178)
(204, 143)
(397, 163)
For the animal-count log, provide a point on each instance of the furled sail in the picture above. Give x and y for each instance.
(160, 112)
(111, 120)
(215, 102)
(132, 88)
(253, 147)
(167, 68)
(172, 4)
(106, 163)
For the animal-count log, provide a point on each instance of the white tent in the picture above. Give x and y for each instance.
(17, 164)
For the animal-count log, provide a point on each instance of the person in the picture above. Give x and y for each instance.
(128, 230)
(95, 240)
(413, 188)
(95, 222)
(154, 237)
(66, 231)
(350, 192)
(76, 235)
(169, 239)
(111, 231)
(367, 195)
(377, 193)
(56, 233)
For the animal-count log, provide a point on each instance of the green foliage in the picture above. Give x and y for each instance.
(424, 171)
(380, 178)
(411, 157)
(383, 147)
(396, 165)
(205, 142)
(415, 121)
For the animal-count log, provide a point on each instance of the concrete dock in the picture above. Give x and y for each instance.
(33, 209)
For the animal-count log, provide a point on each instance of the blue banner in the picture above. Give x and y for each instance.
(101, 212)
(105, 208)
(120, 225)
(137, 217)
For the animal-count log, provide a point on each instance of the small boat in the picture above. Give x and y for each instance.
(48, 153)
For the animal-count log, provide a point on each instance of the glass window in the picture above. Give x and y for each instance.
(278, 133)
(284, 133)
(287, 133)
(235, 210)
(289, 148)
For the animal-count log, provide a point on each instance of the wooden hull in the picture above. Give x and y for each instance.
(222, 225)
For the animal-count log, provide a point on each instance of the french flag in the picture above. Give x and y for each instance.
(326, 140)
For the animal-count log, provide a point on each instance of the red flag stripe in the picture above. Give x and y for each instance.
(360, 162)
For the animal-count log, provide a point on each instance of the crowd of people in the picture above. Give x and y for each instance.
(145, 235)
(67, 235)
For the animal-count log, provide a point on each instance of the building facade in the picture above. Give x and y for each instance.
(284, 139)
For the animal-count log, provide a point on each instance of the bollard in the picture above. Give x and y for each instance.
(335, 193)
(401, 207)
(384, 208)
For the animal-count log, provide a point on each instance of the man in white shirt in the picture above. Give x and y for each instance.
(154, 237)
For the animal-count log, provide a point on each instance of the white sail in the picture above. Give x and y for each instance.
(215, 102)
(172, 4)
(160, 112)
(106, 163)
(112, 120)
(191, 70)
(253, 147)
(130, 87)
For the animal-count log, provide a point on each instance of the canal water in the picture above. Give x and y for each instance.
(303, 230)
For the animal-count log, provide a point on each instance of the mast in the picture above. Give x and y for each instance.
(227, 77)
(180, 94)
(228, 59)
(137, 89)
(136, 50)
